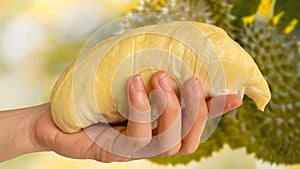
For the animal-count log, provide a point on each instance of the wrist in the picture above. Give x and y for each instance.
(17, 135)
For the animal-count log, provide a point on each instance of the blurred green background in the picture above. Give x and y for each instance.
(40, 38)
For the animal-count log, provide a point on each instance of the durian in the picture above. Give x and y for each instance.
(157, 11)
(93, 89)
(274, 135)
(277, 55)
(160, 11)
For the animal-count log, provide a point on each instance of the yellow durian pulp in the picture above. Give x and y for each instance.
(94, 88)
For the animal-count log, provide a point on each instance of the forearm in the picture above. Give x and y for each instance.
(17, 129)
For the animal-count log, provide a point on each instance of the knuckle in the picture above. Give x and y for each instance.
(170, 153)
(189, 150)
(173, 151)
(172, 112)
(175, 109)
(202, 115)
(139, 101)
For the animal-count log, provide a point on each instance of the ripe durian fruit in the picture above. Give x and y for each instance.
(274, 135)
(94, 88)
(277, 55)
(215, 12)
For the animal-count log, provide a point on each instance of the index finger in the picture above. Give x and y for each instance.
(139, 119)
(138, 132)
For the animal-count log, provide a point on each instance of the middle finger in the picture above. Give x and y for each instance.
(169, 123)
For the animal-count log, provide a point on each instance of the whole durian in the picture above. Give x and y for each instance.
(274, 134)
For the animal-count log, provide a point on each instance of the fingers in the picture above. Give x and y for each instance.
(100, 143)
(138, 133)
(169, 123)
(139, 123)
(197, 111)
(222, 104)
(194, 117)
(174, 136)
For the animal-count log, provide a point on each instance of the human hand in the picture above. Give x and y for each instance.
(32, 129)
(175, 134)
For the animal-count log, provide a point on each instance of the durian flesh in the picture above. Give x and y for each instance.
(94, 88)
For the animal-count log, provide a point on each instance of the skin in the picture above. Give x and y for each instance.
(32, 129)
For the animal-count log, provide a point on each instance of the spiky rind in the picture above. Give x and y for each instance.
(217, 13)
(273, 135)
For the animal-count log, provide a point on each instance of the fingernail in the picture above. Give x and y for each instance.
(138, 83)
(164, 82)
(196, 89)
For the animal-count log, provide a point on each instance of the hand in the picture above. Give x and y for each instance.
(175, 134)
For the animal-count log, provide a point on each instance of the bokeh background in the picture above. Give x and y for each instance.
(38, 40)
